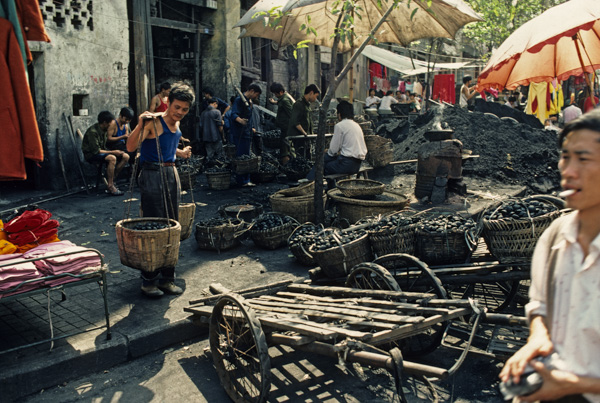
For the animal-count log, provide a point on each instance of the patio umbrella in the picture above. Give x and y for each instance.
(446, 17)
(561, 42)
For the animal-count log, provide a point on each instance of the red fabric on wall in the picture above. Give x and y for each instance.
(19, 135)
(32, 23)
(444, 88)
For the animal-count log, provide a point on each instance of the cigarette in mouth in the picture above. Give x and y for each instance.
(566, 193)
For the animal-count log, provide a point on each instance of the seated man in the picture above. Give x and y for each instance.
(347, 149)
(95, 150)
(118, 130)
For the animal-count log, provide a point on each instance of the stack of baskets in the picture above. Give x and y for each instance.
(511, 229)
(219, 234)
(218, 180)
(297, 203)
(245, 164)
(394, 233)
(272, 230)
(360, 187)
(300, 241)
(445, 238)
(380, 151)
(337, 252)
(148, 249)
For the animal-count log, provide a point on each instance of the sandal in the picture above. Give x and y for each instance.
(114, 192)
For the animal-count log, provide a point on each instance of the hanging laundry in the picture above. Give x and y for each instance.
(444, 88)
(539, 101)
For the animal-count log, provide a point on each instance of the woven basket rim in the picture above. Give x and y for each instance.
(336, 195)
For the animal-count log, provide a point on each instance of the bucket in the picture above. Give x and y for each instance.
(148, 250)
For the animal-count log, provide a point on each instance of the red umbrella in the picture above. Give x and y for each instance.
(561, 42)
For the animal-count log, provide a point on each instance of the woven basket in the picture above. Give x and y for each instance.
(354, 209)
(398, 240)
(148, 250)
(246, 212)
(229, 150)
(248, 166)
(338, 261)
(380, 151)
(300, 208)
(302, 190)
(187, 179)
(513, 241)
(263, 177)
(218, 180)
(360, 187)
(437, 248)
(219, 237)
(187, 212)
(300, 250)
(273, 238)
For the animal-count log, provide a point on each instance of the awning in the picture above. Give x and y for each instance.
(403, 64)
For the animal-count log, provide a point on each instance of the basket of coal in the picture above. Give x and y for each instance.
(297, 168)
(512, 228)
(360, 187)
(229, 150)
(394, 233)
(446, 238)
(148, 243)
(272, 139)
(187, 176)
(245, 164)
(243, 211)
(300, 241)
(219, 233)
(337, 251)
(266, 173)
(272, 230)
(218, 178)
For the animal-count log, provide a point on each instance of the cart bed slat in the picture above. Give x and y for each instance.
(308, 328)
(355, 292)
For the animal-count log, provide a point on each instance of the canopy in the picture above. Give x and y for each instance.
(403, 64)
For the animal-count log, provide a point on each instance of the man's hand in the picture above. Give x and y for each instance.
(556, 384)
(185, 153)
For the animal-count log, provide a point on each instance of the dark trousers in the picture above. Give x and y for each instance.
(337, 165)
(154, 195)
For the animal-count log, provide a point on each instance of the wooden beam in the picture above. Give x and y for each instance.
(181, 26)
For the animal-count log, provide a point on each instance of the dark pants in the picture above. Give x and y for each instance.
(154, 196)
(337, 165)
(242, 145)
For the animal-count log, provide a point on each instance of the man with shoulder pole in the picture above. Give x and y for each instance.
(563, 349)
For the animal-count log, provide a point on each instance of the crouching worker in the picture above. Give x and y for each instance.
(347, 149)
(158, 179)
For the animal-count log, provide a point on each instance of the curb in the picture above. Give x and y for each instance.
(84, 357)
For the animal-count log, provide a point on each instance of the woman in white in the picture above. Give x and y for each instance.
(387, 101)
(372, 101)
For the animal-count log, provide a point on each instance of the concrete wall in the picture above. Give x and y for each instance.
(85, 67)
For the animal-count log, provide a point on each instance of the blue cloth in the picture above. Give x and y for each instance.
(168, 146)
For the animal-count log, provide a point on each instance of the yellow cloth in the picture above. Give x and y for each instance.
(538, 91)
(6, 248)
(26, 247)
(558, 99)
(3, 235)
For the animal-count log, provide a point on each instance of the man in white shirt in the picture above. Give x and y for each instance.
(564, 307)
(347, 149)
(387, 101)
(372, 101)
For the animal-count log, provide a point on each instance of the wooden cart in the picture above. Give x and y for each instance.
(354, 325)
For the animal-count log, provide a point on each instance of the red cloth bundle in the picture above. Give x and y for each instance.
(46, 230)
(29, 220)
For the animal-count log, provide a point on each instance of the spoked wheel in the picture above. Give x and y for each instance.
(240, 351)
(496, 296)
(370, 276)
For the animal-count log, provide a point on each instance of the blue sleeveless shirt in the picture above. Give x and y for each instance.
(168, 145)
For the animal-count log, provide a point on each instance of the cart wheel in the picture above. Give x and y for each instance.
(413, 275)
(371, 276)
(496, 296)
(239, 349)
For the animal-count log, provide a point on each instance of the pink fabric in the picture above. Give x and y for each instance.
(75, 264)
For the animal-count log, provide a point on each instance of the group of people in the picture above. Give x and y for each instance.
(384, 104)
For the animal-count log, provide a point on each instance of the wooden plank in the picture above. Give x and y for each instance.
(248, 292)
(355, 292)
(332, 313)
(318, 330)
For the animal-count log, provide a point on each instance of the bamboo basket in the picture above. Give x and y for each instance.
(380, 151)
(218, 180)
(300, 208)
(229, 150)
(242, 167)
(273, 238)
(187, 213)
(354, 209)
(338, 261)
(187, 179)
(437, 248)
(302, 190)
(512, 240)
(148, 250)
(263, 177)
(360, 187)
(401, 239)
(220, 237)
(300, 249)
(246, 212)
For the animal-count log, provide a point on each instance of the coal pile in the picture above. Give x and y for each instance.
(510, 152)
